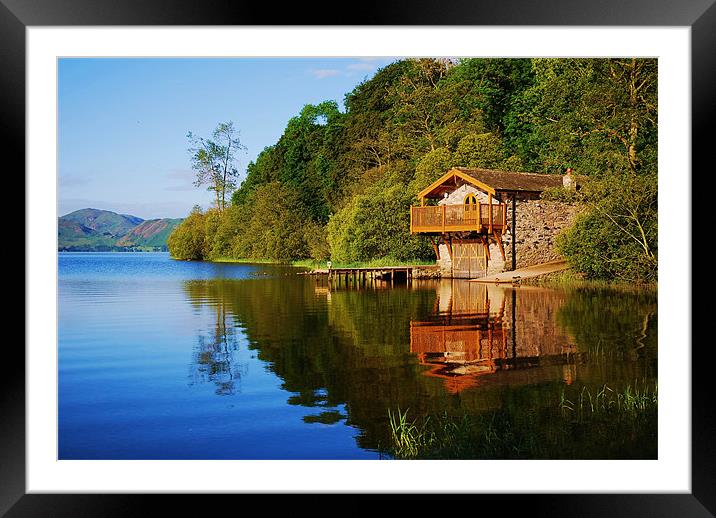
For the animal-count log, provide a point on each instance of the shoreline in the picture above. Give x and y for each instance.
(562, 279)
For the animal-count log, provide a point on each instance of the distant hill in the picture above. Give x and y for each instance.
(88, 230)
(152, 232)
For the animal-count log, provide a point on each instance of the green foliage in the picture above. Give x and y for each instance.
(188, 240)
(223, 231)
(372, 225)
(595, 115)
(273, 225)
(561, 194)
(483, 150)
(317, 241)
(616, 238)
(431, 166)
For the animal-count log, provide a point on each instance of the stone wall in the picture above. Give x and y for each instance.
(457, 197)
(538, 223)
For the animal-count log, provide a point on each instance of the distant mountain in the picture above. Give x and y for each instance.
(104, 222)
(152, 232)
(102, 230)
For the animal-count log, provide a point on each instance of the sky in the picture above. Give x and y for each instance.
(123, 123)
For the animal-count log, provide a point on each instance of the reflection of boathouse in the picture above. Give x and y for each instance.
(474, 338)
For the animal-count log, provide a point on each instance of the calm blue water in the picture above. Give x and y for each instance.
(164, 359)
(143, 373)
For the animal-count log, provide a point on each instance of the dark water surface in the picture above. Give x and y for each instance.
(162, 359)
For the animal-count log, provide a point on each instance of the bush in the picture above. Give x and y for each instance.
(376, 224)
(188, 240)
(616, 238)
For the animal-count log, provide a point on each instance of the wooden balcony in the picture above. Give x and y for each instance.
(480, 217)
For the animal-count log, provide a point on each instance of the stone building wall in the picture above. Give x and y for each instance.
(457, 197)
(538, 224)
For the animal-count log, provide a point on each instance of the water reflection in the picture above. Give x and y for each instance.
(471, 338)
(348, 353)
(215, 355)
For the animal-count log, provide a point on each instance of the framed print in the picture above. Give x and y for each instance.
(165, 363)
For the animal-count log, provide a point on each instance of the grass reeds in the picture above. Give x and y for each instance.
(567, 279)
(591, 423)
(627, 401)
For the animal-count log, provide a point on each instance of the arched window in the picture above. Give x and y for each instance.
(471, 205)
(471, 199)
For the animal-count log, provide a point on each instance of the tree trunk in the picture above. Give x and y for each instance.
(633, 122)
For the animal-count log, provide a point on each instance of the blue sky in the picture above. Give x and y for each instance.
(122, 123)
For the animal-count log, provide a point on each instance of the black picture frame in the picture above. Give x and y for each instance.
(699, 15)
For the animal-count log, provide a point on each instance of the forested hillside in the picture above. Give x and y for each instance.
(339, 182)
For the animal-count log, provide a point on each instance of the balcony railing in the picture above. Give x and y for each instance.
(480, 217)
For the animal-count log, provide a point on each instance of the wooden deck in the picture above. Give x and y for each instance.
(480, 217)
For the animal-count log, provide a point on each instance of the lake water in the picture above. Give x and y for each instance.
(164, 359)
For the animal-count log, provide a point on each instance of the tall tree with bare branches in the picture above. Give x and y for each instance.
(214, 160)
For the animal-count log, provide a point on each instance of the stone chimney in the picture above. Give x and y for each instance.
(568, 180)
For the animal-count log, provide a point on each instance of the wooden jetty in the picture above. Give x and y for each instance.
(374, 273)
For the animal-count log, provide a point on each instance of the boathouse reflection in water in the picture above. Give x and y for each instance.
(472, 337)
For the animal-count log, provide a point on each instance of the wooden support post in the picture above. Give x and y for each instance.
(443, 218)
(489, 213)
(411, 219)
(486, 244)
(514, 232)
(498, 238)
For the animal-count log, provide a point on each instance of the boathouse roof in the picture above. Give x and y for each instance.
(491, 181)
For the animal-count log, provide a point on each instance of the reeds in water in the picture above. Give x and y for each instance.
(627, 401)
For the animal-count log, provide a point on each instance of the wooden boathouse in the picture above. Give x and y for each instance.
(472, 217)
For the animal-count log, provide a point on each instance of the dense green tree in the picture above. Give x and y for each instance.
(188, 240)
(598, 116)
(432, 166)
(274, 225)
(373, 225)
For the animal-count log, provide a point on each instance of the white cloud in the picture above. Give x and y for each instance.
(322, 73)
(361, 66)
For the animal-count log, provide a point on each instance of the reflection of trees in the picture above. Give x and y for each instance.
(351, 348)
(618, 330)
(215, 355)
